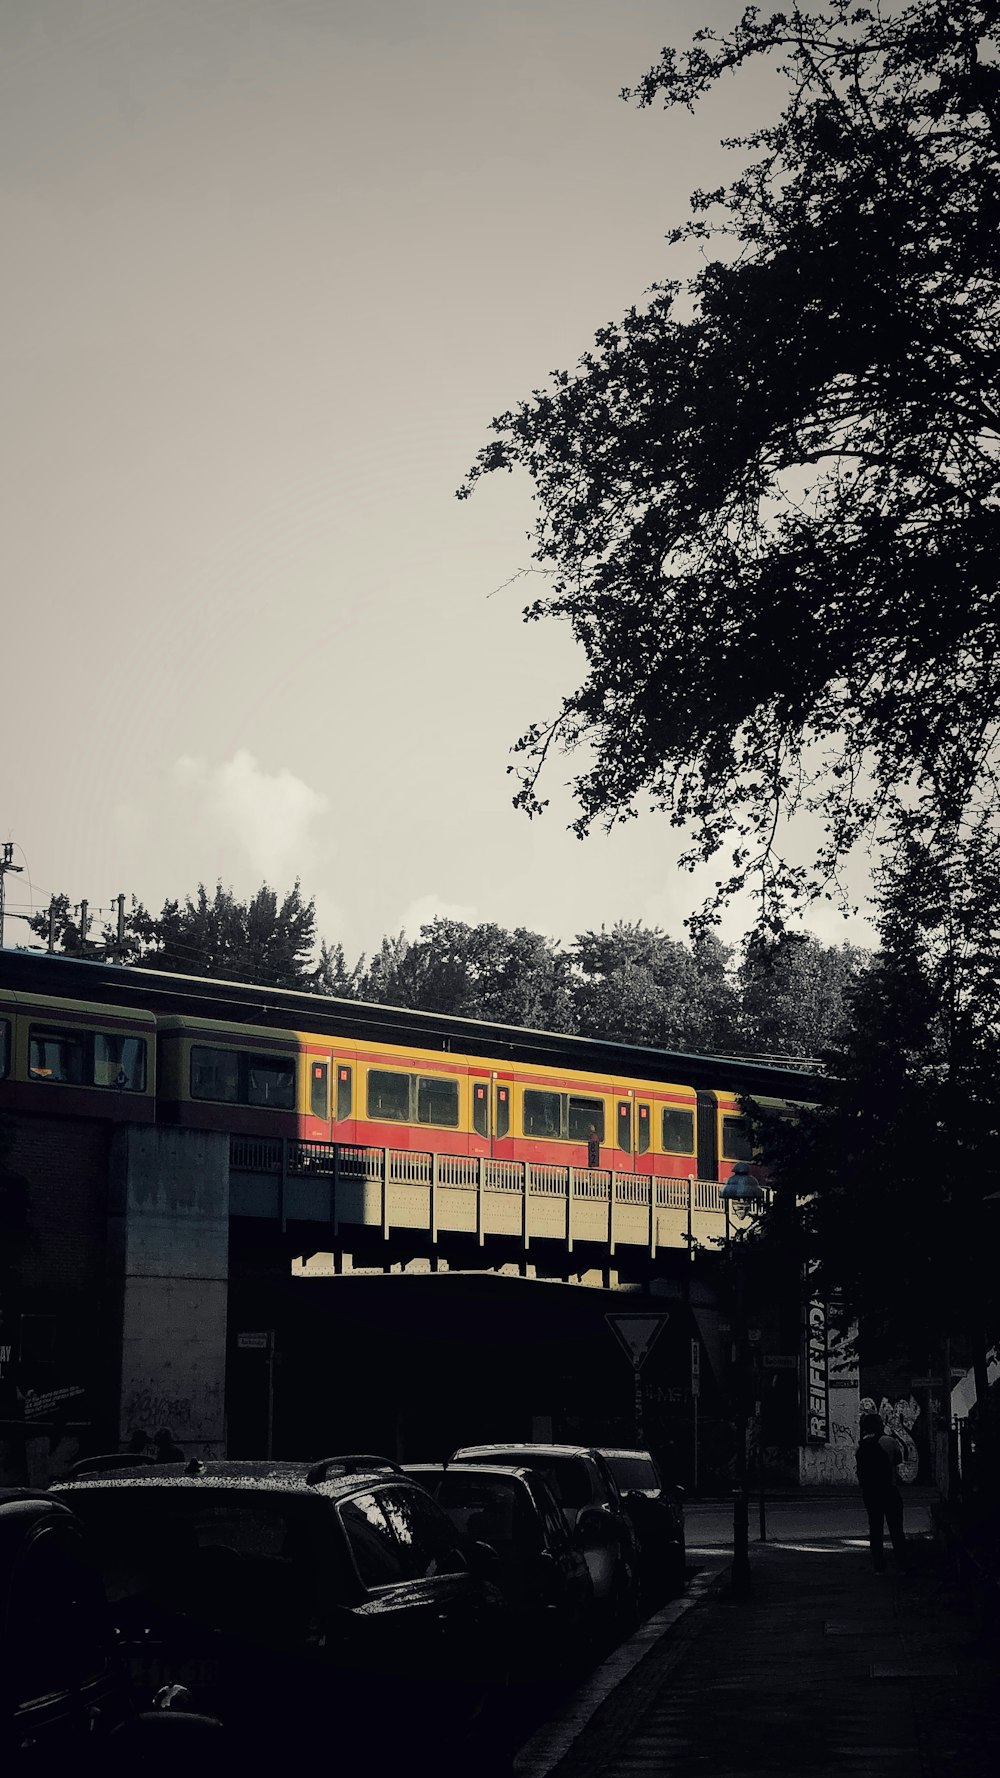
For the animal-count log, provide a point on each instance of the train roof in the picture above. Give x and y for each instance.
(256, 1004)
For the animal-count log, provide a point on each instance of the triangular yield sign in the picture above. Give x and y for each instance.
(636, 1333)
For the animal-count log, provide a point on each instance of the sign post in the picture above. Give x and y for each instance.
(695, 1393)
(636, 1335)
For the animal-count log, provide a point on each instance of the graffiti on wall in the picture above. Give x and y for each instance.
(898, 1417)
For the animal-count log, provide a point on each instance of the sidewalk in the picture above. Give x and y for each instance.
(826, 1667)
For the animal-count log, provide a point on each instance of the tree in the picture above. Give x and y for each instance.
(768, 499)
(258, 940)
(885, 1191)
(793, 993)
(636, 985)
(475, 972)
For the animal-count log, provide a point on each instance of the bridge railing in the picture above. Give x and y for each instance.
(356, 1183)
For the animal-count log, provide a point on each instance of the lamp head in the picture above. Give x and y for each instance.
(742, 1189)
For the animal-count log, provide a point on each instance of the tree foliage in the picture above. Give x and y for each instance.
(768, 497)
(636, 985)
(893, 1177)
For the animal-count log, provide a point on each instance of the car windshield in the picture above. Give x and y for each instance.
(634, 1472)
(208, 1555)
(482, 1508)
(568, 1477)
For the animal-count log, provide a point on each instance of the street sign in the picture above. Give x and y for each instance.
(780, 1361)
(929, 1382)
(636, 1333)
(252, 1342)
(695, 1387)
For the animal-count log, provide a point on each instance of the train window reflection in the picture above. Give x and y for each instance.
(215, 1074)
(271, 1081)
(388, 1095)
(119, 1062)
(437, 1101)
(586, 1119)
(542, 1113)
(57, 1056)
(736, 1142)
(678, 1132)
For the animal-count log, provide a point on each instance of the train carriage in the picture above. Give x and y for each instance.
(260, 1062)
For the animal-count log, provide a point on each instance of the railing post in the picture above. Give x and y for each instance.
(281, 1183)
(434, 1198)
(611, 1211)
(524, 1205)
(480, 1227)
(570, 1187)
(385, 1194)
(335, 1190)
(652, 1217)
(691, 1219)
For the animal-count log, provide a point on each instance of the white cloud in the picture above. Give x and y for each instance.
(431, 907)
(270, 816)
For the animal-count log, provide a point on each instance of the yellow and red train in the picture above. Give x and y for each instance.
(136, 1045)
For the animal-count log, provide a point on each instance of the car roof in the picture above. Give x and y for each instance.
(502, 1470)
(528, 1449)
(233, 1477)
(624, 1451)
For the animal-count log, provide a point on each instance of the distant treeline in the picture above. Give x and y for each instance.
(782, 997)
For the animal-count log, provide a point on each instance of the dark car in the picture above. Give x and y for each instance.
(65, 1701)
(541, 1570)
(588, 1495)
(656, 1507)
(317, 1601)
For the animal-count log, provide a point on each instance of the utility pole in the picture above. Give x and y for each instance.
(6, 864)
(120, 935)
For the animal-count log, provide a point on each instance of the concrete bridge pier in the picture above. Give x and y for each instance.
(169, 1241)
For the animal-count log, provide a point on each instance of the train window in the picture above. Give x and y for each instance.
(215, 1074)
(501, 1123)
(625, 1125)
(642, 1146)
(4, 1047)
(57, 1055)
(388, 1095)
(542, 1113)
(678, 1131)
(480, 1108)
(736, 1143)
(271, 1081)
(119, 1062)
(319, 1089)
(586, 1119)
(345, 1095)
(437, 1101)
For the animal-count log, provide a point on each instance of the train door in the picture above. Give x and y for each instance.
(343, 1107)
(502, 1138)
(624, 1161)
(317, 1106)
(481, 1114)
(708, 1137)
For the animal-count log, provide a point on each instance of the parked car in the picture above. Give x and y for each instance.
(65, 1700)
(588, 1494)
(330, 1602)
(541, 1570)
(656, 1507)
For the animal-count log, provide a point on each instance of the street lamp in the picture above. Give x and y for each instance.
(743, 1195)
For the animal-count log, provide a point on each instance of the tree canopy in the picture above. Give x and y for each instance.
(767, 497)
(627, 982)
(895, 1178)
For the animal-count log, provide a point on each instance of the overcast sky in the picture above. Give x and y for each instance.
(271, 266)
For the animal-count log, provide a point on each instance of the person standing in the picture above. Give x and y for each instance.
(877, 1461)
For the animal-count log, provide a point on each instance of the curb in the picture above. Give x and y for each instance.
(548, 1746)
